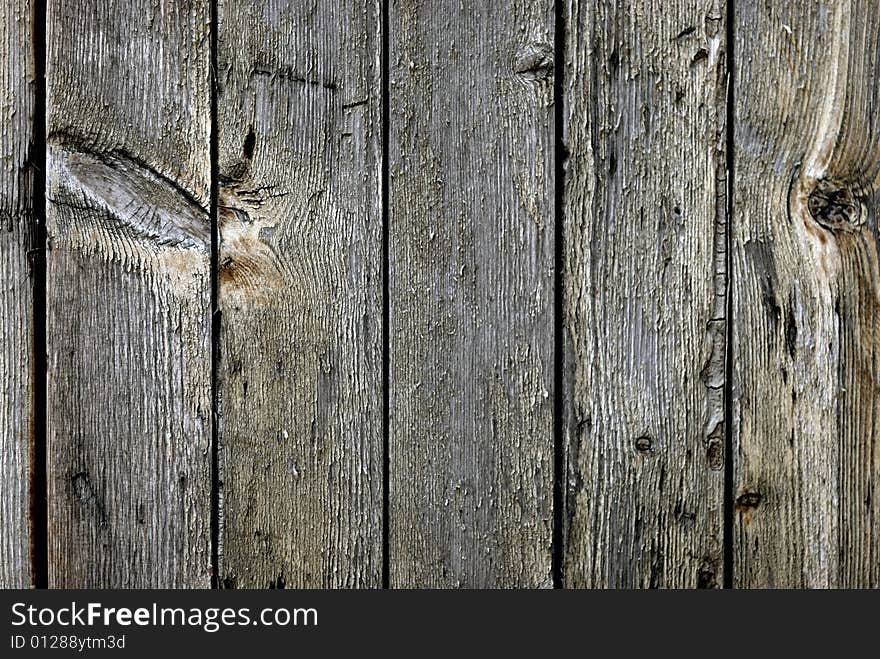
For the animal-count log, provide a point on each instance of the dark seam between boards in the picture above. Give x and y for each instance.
(386, 306)
(730, 44)
(39, 515)
(559, 154)
(216, 581)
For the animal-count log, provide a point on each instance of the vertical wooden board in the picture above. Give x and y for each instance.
(300, 376)
(644, 293)
(16, 222)
(807, 172)
(471, 269)
(128, 303)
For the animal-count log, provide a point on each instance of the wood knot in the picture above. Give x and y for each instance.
(82, 487)
(748, 500)
(235, 171)
(85, 492)
(715, 453)
(250, 270)
(534, 62)
(834, 206)
(707, 576)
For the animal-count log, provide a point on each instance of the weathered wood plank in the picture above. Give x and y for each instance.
(128, 318)
(807, 458)
(644, 302)
(300, 376)
(16, 222)
(471, 241)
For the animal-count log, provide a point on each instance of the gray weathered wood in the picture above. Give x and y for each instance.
(128, 320)
(300, 375)
(16, 221)
(644, 302)
(807, 458)
(471, 293)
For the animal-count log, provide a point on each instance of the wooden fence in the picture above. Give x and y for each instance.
(440, 293)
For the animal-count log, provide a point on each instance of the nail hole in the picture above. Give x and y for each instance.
(250, 141)
(644, 444)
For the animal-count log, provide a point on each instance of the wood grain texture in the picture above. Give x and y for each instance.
(471, 250)
(128, 302)
(16, 223)
(807, 458)
(300, 375)
(644, 293)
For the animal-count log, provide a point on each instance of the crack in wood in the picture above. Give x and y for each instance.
(288, 74)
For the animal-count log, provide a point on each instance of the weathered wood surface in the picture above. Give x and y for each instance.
(16, 223)
(644, 303)
(128, 318)
(807, 174)
(300, 279)
(478, 220)
(471, 239)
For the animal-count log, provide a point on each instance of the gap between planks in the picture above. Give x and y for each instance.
(37, 253)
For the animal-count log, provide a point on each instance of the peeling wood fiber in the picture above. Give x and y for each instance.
(471, 294)
(645, 276)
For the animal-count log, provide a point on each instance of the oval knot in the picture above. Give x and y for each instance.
(534, 62)
(834, 206)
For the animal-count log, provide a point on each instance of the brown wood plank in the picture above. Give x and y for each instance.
(644, 301)
(17, 88)
(128, 307)
(471, 250)
(300, 376)
(807, 458)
